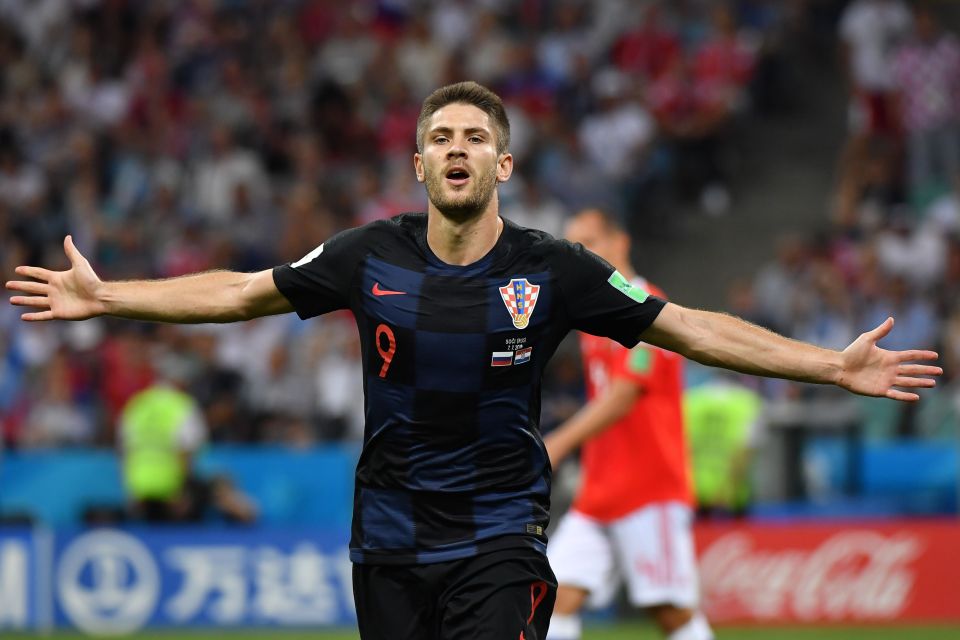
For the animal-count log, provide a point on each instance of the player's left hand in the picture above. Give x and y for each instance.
(871, 371)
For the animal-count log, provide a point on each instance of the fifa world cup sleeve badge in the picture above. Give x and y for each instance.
(520, 298)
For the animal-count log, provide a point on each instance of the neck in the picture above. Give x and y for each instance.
(463, 242)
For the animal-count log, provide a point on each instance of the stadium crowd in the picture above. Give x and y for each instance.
(178, 136)
(890, 245)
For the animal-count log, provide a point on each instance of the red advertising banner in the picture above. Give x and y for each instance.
(842, 572)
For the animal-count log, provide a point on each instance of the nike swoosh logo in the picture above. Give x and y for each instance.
(377, 291)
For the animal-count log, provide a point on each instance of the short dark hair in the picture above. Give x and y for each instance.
(467, 93)
(609, 222)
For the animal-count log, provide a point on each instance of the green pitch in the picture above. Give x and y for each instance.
(612, 632)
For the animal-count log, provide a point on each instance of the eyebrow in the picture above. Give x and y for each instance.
(467, 131)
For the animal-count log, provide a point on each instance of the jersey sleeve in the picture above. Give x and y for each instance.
(320, 281)
(638, 365)
(599, 300)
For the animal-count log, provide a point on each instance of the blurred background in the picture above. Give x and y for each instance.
(794, 162)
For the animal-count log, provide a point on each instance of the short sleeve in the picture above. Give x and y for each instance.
(599, 300)
(638, 365)
(320, 281)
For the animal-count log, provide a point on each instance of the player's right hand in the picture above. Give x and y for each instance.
(59, 295)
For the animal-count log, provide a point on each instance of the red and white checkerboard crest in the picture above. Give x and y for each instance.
(520, 298)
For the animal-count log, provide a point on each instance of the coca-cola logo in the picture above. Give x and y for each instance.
(857, 575)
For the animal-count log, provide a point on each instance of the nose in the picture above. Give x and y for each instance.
(457, 150)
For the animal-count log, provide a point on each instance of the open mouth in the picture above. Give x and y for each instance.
(457, 176)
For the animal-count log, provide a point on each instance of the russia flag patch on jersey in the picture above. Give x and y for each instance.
(501, 359)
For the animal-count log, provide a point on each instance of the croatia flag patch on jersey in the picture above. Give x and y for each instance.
(522, 356)
(520, 298)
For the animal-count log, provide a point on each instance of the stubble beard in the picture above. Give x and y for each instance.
(462, 206)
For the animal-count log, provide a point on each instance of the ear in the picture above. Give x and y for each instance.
(504, 167)
(418, 167)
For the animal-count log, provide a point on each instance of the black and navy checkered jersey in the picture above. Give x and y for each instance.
(452, 462)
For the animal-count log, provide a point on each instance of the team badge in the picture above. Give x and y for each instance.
(520, 298)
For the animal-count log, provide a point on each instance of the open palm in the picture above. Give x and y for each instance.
(59, 295)
(872, 371)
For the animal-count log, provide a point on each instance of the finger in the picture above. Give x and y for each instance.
(35, 272)
(73, 254)
(31, 301)
(903, 396)
(918, 370)
(903, 356)
(882, 330)
(37, 316)
(29, 286)
(904, 381)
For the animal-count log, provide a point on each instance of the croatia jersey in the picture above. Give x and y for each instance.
(643, 457)
(452, 462)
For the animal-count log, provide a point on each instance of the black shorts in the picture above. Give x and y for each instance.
(501, 595)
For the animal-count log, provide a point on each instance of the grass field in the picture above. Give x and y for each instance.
(611, 632)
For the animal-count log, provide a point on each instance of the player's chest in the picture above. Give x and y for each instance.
(441, 327)
(455, 302)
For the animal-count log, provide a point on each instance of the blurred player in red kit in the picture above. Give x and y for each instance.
(631, 518)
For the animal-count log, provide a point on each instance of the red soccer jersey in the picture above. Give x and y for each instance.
(643, 457)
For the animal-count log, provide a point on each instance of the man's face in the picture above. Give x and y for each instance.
(589, 230)
(459, 164)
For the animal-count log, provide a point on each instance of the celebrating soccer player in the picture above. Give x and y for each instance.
(458, 312)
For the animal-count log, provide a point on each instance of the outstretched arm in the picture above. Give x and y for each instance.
(722, 340)
(598, 414)
(78, 293)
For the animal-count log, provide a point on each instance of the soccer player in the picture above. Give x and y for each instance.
(458, 311)
(630, 520)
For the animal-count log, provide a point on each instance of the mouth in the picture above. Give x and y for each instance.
(457, 176)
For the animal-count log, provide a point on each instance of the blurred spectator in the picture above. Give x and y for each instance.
(926, 72)
(161, 430)
(617, 138)
(824, 312)
(489, 53)
(338, 382)
(451, 23)
(220, 171)
(693, 118)
(535, 209)
(565, 42)
(57, 418)
(420, 59)
(914, 253)
(650, 49)
(777, 283)
(869, 29)
(868, 191)
(723, 428)
(125, 360)
(345, 55)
